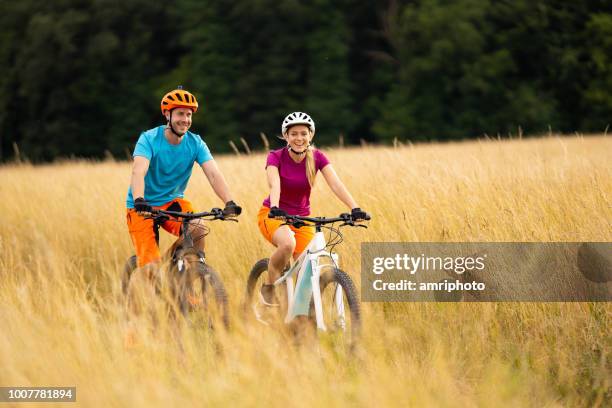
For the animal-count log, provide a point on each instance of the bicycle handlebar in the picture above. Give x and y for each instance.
(318, 221)
(215, 213)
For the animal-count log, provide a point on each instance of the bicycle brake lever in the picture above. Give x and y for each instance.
(156, 216)
(353, 224)
(296, 224)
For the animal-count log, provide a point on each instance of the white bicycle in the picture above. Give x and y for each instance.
(322, 292)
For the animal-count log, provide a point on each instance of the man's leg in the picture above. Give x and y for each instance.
(197, 229)
(142, 288)
(142, 285)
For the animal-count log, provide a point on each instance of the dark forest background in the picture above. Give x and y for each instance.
(79, 78)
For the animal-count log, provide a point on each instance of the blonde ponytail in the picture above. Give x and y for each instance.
(311, 171)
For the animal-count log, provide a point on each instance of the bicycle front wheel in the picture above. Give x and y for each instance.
(207, 294)
(341, 309)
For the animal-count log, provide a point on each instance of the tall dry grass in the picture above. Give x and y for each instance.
(63, 241)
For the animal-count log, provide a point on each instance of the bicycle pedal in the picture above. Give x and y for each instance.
(268, 298)
(259, 317)
(263, 302)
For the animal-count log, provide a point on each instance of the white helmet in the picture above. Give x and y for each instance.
(297, 118)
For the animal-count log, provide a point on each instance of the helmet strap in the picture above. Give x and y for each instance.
(298, 153)
(172, 127)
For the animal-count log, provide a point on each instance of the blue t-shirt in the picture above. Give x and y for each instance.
(170, 165)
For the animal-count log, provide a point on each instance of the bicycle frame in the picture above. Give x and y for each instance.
(187, 243)
(185, 234)
(309, 269)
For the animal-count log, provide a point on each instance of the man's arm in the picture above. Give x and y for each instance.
(216, 180)
(139, 170)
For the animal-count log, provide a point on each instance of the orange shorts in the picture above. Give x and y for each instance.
(143, 233)
(268, 227)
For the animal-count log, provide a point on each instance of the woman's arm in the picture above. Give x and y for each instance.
(274, 184)
(337, 186)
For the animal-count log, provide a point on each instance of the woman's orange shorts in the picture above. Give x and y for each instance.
(268, 227)
(143, 233)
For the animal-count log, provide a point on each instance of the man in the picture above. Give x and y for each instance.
(163, 162)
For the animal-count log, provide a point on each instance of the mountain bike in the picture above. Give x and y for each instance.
(193, 284)
(322, 293)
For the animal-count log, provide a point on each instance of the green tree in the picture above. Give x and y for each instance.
(13, 20)
(77, 74)
(454, 76)
(598, 93)
(81, 77)
(328, 90)
(210, 68)
(257, 61)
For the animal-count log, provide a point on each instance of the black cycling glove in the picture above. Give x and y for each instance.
(232, 209)
(357, 214)
(276, 212)
(141, 205)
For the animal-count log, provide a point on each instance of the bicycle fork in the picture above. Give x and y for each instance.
(183, 281)
(307, 287)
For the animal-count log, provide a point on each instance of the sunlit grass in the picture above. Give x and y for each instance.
(63, 242)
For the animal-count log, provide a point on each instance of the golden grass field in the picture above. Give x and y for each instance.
(63, 241)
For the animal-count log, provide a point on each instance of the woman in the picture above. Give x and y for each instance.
(291, 174)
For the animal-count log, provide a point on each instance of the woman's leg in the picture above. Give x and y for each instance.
(284, 241)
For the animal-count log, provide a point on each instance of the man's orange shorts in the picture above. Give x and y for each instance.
(268, 227)
(143, 233)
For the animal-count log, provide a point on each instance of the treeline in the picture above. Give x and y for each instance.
(84, 77)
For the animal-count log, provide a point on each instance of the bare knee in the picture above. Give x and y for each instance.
(286, 247)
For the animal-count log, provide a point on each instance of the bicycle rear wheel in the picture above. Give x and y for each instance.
(341, 308)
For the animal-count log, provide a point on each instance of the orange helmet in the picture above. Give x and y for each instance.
(179, 98)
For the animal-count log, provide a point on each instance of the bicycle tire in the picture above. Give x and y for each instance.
(350, 298)
(209, 277)
(260, 267)
(254, 282)
(211, 287)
